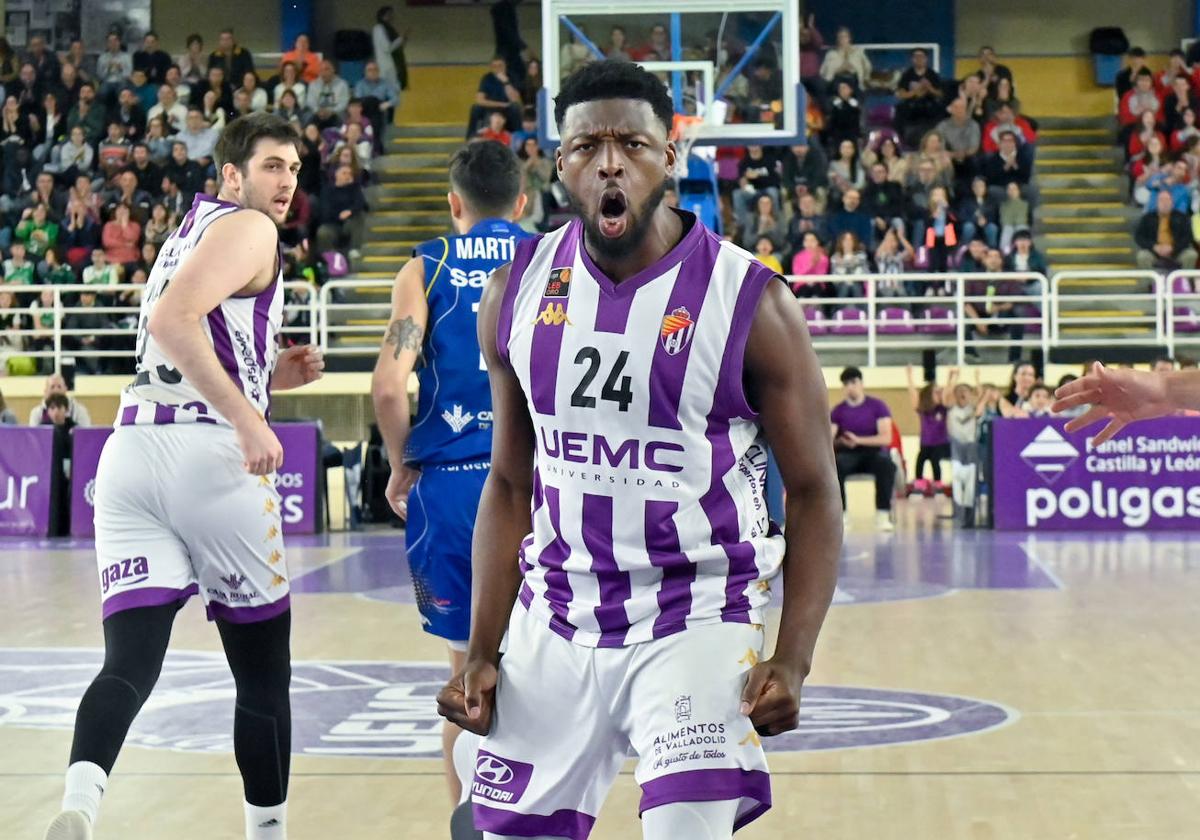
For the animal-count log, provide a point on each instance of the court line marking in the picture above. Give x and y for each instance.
(1029, 546)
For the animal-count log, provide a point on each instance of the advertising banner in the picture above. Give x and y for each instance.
(26, 480)
(87, 443)
(1146, 479)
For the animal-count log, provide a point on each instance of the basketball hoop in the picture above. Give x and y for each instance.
(685, 130)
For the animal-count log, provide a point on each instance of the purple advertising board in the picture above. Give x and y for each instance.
(26, 462)
(297, 479)
(1146, 479)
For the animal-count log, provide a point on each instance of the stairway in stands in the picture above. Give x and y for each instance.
(1084, 223)
(408, 206)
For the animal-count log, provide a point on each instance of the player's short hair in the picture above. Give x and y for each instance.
(487, 176)
(614, 80)
(850, 374)
(57, 400)
(239, 137)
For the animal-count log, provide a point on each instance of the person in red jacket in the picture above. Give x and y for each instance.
(1143, 97)
(1006, 119)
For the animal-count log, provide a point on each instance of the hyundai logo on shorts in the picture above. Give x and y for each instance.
(493, 770)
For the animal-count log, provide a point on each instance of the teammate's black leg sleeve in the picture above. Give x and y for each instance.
(260, 658)
(135, 642)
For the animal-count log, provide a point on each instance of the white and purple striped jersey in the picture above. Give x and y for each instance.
(243, 332)
(648, 507)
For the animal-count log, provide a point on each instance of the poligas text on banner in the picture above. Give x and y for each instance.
(1148, 478)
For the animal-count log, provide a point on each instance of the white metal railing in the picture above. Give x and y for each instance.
(1181, 309)
(372, 320)
(120, 303)
(1098, 317)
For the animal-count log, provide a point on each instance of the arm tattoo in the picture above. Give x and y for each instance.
(404, 334)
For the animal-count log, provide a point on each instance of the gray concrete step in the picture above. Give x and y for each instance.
(1050, 123)
(1051, 137)
(455, 130)
(1079, 151)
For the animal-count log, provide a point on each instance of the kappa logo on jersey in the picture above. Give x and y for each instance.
(559, 284)
(459, 420)
(387, 709)
(677, 330)
(554, 315)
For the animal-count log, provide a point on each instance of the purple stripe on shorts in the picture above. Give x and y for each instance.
(573, 825)
(163, 414)
(547, 338)
(715, 785)
(129, 415)
(223, 345)
(248, 615)
(722, 514)
(262, 317)
(524, 252)
(150, 596)
(614, 584)
(730, 399)
(667, 371)
(558, 587)
(662, 545)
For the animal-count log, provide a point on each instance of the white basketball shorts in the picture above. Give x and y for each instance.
(566, 716)
(177, 515)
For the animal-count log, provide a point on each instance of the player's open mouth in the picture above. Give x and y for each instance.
(613, 213)
(281, 205)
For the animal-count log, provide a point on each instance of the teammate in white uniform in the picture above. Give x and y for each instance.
(639, 366)
(185, 495)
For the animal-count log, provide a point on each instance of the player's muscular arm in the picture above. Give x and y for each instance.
(235, 256)
(784, 382)
(503, 521)
(389, 386)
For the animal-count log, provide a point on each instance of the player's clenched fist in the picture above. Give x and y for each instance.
(771, 697)
(467, 700)
(261, 449)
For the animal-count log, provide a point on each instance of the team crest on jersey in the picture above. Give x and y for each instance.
(559, 284)
(554, 315)
(677, 330)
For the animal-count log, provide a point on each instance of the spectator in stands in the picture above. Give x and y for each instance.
(920, 93)
(88, 114)
(1001, 96)
(887, 152)
(183, 91)
(812, 45)
(990, 71)
(918, 192)
(174, 199)
(1180, 100)
(804, 170)
(846, 61)
(114, 152)
(494, 130)
(380, 98)
(68, 85)
(101, 272)
(940, 230)
(934, 151)
(851, 218)
(1174, 179)
(28, 90)
(987, 304)
(1186, 131)
(1177, 67)
(1150, 163)
(811, 259)
(151, 60)
(618, 44)
(181, 168)
(198, 137)
(45, 191)
(979, 213)
(215, 94)
(1147, 128)
(54, 272)
(48, 128)
(85, 327)
(290, 108)
(193, 64)
(147, 172)
(972, 260)
(1007, 119)
(76, 411)
(845, 171)
(845, 117)
(80, 236)
(766, 221)
(72, 157)
(861, 426)
(388, 48)
(44, 61)
(302, 58)
(343, 221)
(1014, 215)
(114, 66)
(231, 57)
(1143, 97)
(1020, 388)
(657, 48)
(538, 172)
(17, 269)
(241, 104)
(884, 201)
(764, 252)
(807, 219)
(849, 259)
(893, 256)
(289, 79)
(573, 53)
(758, 174)
(1164, 237)
(1026, 257)
(57, 414)
(766, 87)
(1007, 165)
(532, 86)
(961, 137)
(130, 114)
(121, 236)
(259, 101)
(1135, 61)
(496, 92)
(158, 227)
(37, 231)
(169, 108)
(8, 62)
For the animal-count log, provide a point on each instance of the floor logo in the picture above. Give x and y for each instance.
(388, 709)
(1050, 454)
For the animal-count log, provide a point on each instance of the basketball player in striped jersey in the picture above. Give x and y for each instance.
(639, 368)
(185, 495)
(440, 461)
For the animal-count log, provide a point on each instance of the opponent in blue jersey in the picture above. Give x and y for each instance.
(441, 457)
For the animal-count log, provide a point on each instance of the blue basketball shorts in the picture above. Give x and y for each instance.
(441, 519)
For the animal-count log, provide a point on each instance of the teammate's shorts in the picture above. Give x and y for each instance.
(176, 514)
(566, 715)
(441, 518)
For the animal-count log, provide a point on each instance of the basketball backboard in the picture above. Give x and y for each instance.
(709, 53)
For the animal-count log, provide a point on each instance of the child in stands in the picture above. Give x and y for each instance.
(935, 440)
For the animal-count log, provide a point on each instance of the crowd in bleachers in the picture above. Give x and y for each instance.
(1156, 113)
(102, 152)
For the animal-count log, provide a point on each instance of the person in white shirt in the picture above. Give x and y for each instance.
(170, 109)
(289, 79)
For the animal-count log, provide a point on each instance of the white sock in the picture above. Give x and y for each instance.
(85, 787)
(268, 823)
